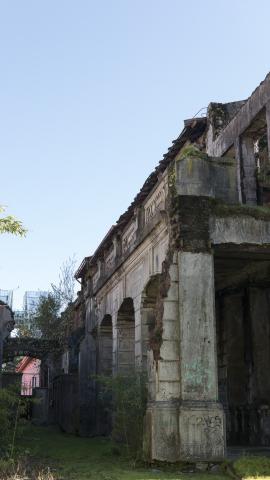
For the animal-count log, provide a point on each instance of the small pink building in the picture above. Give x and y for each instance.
(30, 369)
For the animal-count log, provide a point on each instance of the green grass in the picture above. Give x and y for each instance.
(75, 458)
(250, 467)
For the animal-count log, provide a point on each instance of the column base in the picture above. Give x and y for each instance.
(189, 431)
(201, 431)
(161, 432)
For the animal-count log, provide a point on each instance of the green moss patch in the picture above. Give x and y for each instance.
(257, 212)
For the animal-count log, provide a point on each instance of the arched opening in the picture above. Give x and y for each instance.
(104, 369)
(105, 346)
(125, 357)
(148, 313)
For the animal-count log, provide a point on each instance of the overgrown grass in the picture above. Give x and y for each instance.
(12, 408)
(53, 455)
(75, 458)
(252, 467)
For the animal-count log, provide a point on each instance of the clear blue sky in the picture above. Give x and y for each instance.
(91, 95)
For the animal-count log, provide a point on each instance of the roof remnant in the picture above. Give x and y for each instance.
(193, 129)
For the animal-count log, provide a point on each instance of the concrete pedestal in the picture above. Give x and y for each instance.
(201, 431)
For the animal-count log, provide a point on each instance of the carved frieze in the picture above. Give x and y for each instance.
(156, 202)
(109, 261)
(129, 236)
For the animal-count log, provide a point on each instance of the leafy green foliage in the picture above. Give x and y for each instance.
(128, 396)
(53, 315)
(10, 224)
(12, 409)
(46, 319)
(49, 322)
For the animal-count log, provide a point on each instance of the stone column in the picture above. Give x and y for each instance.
(201, 417)
(249, 171)
(162, 416)
(237, 147)
(184, 420)
(268, 127)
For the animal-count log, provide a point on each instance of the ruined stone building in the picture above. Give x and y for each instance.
(180, 287)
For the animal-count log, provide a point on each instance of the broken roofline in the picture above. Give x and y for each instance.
(191, 131)
(258, 100)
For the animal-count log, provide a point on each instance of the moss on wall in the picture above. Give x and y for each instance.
(223, 210)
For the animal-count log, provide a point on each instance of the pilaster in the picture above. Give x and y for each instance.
(201, 417)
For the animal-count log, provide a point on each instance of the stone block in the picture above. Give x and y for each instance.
(170, 310)
(239, 230)
(170, 330)
(169, 350)
(207, 177)
(172, 294)
(173, 270)
(161, 441)
(168, 371)
(138, 332)
(138, 349)
(168, 390)
(201, 432)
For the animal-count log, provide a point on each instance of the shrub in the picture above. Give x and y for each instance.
(128, 396)
(12, 408)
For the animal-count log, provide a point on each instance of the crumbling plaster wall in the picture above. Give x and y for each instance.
(129, 282)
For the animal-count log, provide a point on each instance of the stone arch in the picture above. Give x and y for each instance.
(125, 326)
(105, 346)
(29, 347)
(148, 313)
(104, 368)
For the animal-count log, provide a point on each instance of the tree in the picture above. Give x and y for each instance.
(64, 291)
(10, 224)
(46, 319)
(53, 314)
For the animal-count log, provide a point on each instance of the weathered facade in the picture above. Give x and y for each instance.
(180, 287)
